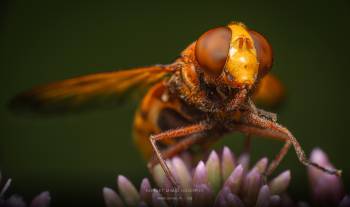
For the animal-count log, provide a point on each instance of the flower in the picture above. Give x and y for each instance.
(41, 200)
(326, 190)
(222, 180)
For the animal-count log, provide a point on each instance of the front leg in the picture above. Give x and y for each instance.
(250, 106)
(237, 100)
(265, 132)
(262, 113)
(278, 131)
(180, 132)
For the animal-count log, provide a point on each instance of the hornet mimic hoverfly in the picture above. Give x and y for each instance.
(207, 92)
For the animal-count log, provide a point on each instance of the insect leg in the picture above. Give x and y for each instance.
(178, 148)
(253, 130)
(258, 121)
(195, 128)
(237, 100)
(282, 153)
(262, 113)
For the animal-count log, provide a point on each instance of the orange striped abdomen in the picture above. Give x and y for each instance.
(159, 111)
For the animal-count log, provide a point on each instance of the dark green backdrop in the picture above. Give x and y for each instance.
(75, 156)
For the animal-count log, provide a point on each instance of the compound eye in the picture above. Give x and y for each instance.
(212, 50)
(263, 51)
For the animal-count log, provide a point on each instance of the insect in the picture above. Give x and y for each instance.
(207, 92)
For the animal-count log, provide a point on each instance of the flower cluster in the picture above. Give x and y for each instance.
(220, 181)
(41, 200)
(223, 180)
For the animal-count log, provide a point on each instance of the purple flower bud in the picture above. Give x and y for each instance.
(111, 198)
(252, 183)
(42, 200)
(227, 163)
(326, 189)
(202, 194)
(128, 191)
(213, 169)
(158, 175)
(183, 175)
(280, 183)
(261, 165)
(263, 199)
(146, 191)
(200, 174)
(235, 179)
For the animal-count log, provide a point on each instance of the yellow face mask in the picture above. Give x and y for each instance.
(241, 65)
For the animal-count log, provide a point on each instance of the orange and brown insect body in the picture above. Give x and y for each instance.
(145, 120)
(160, 111)
(207, 92)
(185, 84)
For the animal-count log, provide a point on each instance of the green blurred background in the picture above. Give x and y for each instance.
(74, 156)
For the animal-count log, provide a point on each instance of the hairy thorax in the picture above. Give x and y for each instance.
(210, 99)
